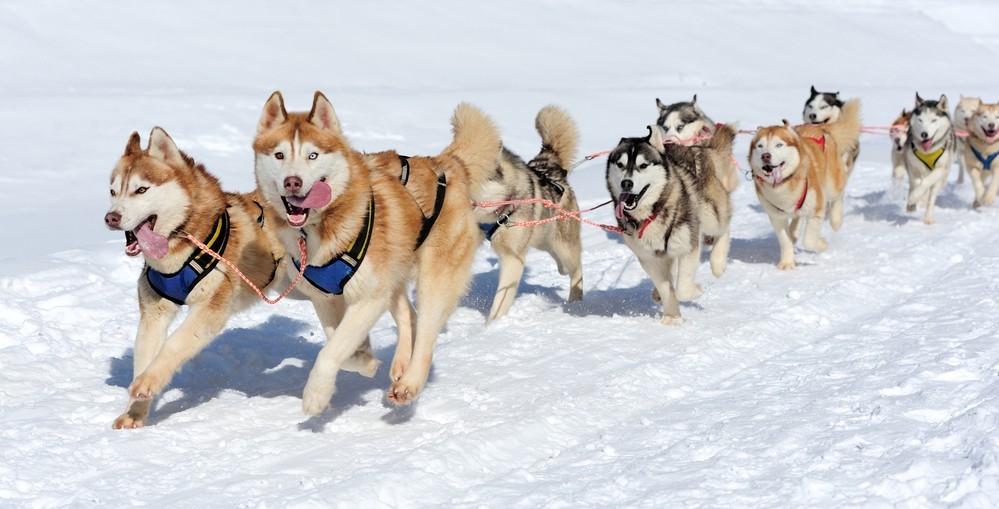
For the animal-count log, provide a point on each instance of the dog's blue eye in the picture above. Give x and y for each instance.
(279, 155)
(141, 190)
(313, 155)
(680, 127)
(780, 145)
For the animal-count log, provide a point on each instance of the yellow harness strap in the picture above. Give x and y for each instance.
(929, 159)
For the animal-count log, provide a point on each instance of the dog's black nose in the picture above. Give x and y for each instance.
(292, 184)
(924, 135)
(112, 219)
(627, 185)
(765, 157)
(811, 116)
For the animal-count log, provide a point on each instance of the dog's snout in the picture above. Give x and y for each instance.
(627, 185)
(924, 135)
(765, 157)
(811, 116)
(292, 184)
(112, 219)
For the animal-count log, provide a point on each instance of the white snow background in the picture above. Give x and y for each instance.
(868, 377)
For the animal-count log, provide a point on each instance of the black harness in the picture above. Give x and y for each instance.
(428, 222)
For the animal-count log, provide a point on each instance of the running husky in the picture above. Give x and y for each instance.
(931, 143)
(371, 223)
(665, 196)
(687, 124)
(965, 108)
(158, 195)
(899, 133)
(798, 174)
(545, 177)
(827, 107)
(980, 152)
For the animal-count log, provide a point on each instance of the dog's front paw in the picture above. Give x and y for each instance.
(316, 397)
(674, 321)
(146, 386)
(988, 200)
(128, 421)
(402, 393)
(818, 245)
(911, 207)
(362, 362)
(786, 265)
(929, 220)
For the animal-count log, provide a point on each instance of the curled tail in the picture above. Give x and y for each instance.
(559, 138)
(846, 131)
(721, 144)
(476, 143)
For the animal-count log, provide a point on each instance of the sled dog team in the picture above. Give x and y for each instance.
(357, 228)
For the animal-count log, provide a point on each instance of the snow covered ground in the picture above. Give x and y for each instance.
(867, 377)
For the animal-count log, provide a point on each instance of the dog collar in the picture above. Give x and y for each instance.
(986, 161)
(177, 286)
(332, 277)
(645, 224)
(797, 206)
(928, 158)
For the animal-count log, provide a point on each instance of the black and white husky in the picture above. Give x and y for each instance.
(929, 153)
(685, 122)
(664, 196)
(825, 108)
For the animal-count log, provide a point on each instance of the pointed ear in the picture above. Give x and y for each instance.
(943, 102)
(786, 123)
(814, 92)
(656, 138)
(919, 100)
(694, 100)
(274, 113)
(322, 114)
(133, 147)
(162, 147)
(660, 104)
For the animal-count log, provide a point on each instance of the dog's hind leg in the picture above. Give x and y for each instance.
(438, 290)
(405, 320)
(568, 257)
(511, 269)
(330, 312)
(155, 317)
(836, 213)
(992, 191)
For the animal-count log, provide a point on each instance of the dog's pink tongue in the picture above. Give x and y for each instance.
(619, 210)
(777, 176)
(926, 144)
(318, 196)
(152, 243)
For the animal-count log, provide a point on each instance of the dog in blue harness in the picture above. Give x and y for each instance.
(158, 196)
(372, 223)
(543, 178)
(981, 149)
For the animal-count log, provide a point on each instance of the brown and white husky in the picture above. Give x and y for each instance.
(372, 223)
(157, 196)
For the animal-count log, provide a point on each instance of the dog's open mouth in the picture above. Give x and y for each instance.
(142, 239)
(926, 144)
(298, 207)
(774, 172)
(990, 133)
(629, 201)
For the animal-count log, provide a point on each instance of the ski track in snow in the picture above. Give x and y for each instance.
(868, 377)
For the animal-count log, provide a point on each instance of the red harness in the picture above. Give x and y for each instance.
(821, 141)
(801, 201)
(645, 224)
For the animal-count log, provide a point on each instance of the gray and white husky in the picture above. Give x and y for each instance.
(825, 108)
(665, 196)
(685, 122)
(544, 177)
(929, 153)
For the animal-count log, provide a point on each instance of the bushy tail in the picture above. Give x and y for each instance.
(721, 143)
(476, 143)
(846, 131)
(559, 136)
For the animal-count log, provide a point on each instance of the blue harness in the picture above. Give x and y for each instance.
(986, 161)
(177, 286)
(332, 277)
